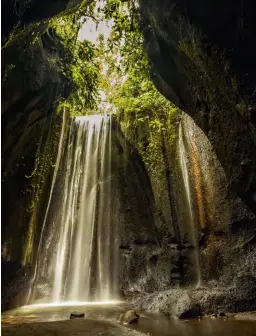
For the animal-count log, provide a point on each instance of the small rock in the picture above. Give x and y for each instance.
(129, 317)
(214, 315)
(74, 315)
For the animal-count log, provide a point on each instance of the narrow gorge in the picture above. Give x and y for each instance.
(128, 166)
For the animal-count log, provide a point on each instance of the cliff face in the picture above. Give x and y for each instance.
(202, 60)
(201, 55)
(204, 244)
(32, 84)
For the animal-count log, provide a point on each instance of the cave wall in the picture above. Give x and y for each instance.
(142, 259)
(202, 55)
(31, 88)
(22, 13)
(32, 85)
(225, 224)
(211, 256)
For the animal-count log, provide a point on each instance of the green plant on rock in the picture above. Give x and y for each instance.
(146, 117)
(44, 165)
(79, 64)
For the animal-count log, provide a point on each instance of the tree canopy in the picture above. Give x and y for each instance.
(115, 66)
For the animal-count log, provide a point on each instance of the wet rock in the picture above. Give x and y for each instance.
(75, 314)
(176, 303)
(246, 316)
(129, 317)
(15, 284)
(185, 307)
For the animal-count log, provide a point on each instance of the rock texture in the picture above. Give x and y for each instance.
(183, 304)
(22, 13)
(129, 317)
(203, 62)
(208, 242)
(30, 126)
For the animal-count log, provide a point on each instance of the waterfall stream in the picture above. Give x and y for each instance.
(187, 183)
(83, 261)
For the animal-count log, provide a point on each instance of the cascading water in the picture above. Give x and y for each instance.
(83, 260)
(187, 183)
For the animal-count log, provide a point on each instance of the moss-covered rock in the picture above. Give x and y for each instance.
(203, 62)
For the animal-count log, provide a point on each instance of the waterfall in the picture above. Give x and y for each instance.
(187, 184)
(56, 168)
(83, 259)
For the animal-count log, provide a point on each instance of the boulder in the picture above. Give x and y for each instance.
(129, 317)
(176, 303)
(183, 306)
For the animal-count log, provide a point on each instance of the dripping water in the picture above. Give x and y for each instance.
(187, 184)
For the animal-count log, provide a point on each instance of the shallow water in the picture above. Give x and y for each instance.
(153, 324)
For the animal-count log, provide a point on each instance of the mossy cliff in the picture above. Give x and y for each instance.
(202, 57)
(32, 84)
(204, 238)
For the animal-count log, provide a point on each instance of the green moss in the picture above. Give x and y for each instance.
(40, 177)
(148, 121)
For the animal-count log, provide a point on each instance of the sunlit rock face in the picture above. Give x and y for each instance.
(215, 233)
(217, 213)
(208, 240)
(195, 56)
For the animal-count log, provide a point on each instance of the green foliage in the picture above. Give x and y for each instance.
(45, 160)
(79, 65)
(40, 177)
(8, 70)
(73, 60)
(147, 118)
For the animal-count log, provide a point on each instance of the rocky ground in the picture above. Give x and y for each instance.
(183, 304)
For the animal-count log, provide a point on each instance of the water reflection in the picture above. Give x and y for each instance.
(156, 325)
(153, 324)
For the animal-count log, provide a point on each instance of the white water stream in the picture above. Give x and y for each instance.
(187, 183)
(84, 260)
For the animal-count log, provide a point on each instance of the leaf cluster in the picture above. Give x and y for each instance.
(79, 65)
